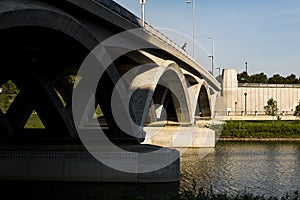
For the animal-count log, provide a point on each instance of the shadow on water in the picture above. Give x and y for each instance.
(86, 191)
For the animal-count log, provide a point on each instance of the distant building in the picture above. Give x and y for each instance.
(250, 98)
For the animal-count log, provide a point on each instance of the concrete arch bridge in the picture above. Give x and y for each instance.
(43, 45)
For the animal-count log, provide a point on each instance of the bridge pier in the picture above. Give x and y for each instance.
(180, 137)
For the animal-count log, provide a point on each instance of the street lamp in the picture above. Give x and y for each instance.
(246, 67)
(194, 6)
(212, 54)
(235, 103)
(143, 2)
(245, 103)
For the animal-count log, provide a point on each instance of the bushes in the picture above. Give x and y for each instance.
(211, 195)
(202, 194)
(261, 129)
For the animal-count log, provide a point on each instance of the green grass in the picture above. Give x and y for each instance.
(34, 122)
(261, 129)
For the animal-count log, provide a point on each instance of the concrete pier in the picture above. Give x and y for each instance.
(180, 137)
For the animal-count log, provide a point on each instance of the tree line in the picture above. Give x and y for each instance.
(263, 78)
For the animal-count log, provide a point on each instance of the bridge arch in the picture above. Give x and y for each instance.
(158, 82)
(190, 80)
(203, 107)
(33, 57)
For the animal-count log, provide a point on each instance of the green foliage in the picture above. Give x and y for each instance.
(210, 194)
(258, 78)
(297, 110)
(9, 88)
(262, 78)
(219, 78)
(292, 79)
(276, 79)
(243, 77)
(261, 129)
(203, 194)
(271, 108)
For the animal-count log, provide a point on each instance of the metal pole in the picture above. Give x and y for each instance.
(235, 107)
(212, 54)
(246, 67)
(194, 24)
(143, 12)
(245, 103)
(194, 29)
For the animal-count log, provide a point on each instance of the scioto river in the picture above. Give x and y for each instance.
(262, 168)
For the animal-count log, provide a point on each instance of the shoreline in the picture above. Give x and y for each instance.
(257, 139)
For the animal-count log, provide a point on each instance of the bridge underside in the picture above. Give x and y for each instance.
(43, 72)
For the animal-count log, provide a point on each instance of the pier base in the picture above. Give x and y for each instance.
(180, 137)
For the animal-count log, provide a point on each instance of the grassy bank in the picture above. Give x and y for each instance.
(211, 195)
(261, 129)
(202, 194)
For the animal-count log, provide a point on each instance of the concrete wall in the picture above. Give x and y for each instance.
(257, 95)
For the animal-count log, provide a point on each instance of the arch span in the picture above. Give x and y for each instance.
(146, 83)
(41, 46)
(204, 105)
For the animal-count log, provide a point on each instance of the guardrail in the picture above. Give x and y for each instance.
(137, 21)
(267, 85)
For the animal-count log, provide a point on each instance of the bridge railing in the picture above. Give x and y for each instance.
(154, 32)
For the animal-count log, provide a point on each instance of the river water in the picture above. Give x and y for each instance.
(262, 168)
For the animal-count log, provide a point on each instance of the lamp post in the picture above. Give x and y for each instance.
(235, 103)
(194, 28)
(246, 63)
(245, 103)
(212, 54)
(143, 2)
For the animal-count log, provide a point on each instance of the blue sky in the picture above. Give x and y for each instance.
(265, 33)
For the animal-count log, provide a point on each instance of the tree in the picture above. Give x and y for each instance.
(242, 77)
(291, 79)
(258, 78)
(297, 110)
(276, 79)
(219, 78)
(271, 108)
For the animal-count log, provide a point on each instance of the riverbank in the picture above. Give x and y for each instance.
(259, 139)
(261, 130)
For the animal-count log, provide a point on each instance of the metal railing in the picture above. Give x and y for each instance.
(268, 85)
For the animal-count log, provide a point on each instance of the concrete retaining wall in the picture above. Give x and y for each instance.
(250, 99)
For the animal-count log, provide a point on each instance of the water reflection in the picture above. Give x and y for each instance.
(263, 168)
